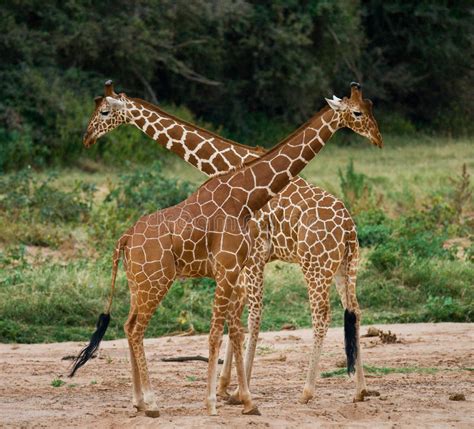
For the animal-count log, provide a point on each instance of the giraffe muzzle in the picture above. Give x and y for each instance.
(88, 140)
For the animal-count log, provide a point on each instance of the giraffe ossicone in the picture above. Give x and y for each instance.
(172, 242)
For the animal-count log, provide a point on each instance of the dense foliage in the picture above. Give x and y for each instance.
(256, 67)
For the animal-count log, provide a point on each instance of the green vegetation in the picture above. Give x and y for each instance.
(376, 370)
(57, 382)
(57, 233)
(383, 370)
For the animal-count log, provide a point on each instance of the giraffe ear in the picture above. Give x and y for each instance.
(335, 103)
(97, 101)
(114, 103)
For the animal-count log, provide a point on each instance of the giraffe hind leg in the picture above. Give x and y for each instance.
(139, 318)
(318, 291)
(137, 392)
(346, 287)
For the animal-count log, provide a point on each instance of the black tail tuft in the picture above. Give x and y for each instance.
(96, 338)
(350, 319)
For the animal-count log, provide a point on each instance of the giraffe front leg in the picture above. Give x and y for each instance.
(318, 291)
(226, 372)
(219, 313)
(236, 335)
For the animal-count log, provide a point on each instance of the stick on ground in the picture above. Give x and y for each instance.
(188, 358)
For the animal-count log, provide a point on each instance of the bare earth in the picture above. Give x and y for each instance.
(100, 395)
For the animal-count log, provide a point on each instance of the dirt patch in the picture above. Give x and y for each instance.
(440, 358)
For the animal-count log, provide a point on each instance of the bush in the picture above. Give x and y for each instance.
(394, 123)
(26, 197)
(143, 191)
(16, 149)
(357, 191)
(373, 227)
(447, 309)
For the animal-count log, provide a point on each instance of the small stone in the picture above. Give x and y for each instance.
(288, 327)
(457, 397)
(372, 332)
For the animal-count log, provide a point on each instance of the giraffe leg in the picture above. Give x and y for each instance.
(253, 281)
(219, 312)
(254, 284)
(137, 393)
(361, 387)
(346, 287)
(318, 290)
(149, 295)
(236, 335)
(226, 285)
(226, 371)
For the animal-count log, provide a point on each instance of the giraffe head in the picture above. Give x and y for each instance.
(109, 113)
(356, 113)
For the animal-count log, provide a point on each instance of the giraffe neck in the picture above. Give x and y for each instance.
(268, 175)
(209, 153)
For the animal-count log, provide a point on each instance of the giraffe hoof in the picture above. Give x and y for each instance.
(233, 400)
(252, 412)
(359, 397)
(224, 394)
(306, 397)
(152, 413)
(139, 407)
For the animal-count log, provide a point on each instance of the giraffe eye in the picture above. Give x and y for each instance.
(105, 112)
(357, 114)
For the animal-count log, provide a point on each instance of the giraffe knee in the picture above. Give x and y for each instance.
(129, 326)
(236, 334)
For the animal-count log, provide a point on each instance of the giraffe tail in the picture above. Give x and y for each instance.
(346, 285)
(104, 319)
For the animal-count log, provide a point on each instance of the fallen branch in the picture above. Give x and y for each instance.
(188, 358)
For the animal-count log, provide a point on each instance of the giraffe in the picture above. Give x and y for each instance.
(207, 235)
(302, 224)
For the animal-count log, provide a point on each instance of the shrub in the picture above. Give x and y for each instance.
(447, 309)
(137, 193)
(373, 227)
(357, 191)
(26, 197)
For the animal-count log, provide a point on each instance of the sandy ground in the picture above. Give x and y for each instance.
(100, 395)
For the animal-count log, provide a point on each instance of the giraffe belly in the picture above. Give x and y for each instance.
(298, 208)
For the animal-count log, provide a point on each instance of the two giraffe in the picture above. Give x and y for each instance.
(208, 234)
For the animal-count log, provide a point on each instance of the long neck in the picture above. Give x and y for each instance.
(209, 153)
(268, 175)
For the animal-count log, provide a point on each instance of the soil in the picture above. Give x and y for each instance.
(100, 394)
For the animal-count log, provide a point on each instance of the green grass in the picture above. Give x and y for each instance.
(58, 383)
(383, 370)
(59, 296)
